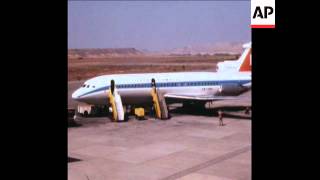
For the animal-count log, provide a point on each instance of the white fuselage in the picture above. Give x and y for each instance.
(136, 88)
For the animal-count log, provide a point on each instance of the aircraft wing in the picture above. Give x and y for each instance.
(199, 98)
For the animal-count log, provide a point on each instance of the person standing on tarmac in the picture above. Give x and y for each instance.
(247, 111)
(220, 113)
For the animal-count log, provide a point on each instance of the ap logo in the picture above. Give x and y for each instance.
(263, 13)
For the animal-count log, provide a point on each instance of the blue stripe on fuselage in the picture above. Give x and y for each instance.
(170, 84)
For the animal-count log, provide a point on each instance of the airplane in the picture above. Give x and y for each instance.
(233, 79)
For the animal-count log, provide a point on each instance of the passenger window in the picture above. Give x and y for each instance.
(88, 86)
(94, 86)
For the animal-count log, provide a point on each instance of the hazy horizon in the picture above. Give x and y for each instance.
(156, 26)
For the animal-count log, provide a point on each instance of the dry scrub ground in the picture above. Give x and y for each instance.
(81, 69)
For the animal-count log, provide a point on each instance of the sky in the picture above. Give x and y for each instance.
(158, 25)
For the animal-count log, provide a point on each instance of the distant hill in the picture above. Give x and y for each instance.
(209, 48)
(101, 53)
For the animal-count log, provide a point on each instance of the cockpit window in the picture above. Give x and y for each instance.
(88, 86)
(83, 85)
(93, 86)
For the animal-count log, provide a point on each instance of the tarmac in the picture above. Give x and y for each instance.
(186, 147)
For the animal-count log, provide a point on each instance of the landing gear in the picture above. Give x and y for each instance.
(85, 114)
(194, 105)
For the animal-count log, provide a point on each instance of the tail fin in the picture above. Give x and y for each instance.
(245, 59)
(243, 64)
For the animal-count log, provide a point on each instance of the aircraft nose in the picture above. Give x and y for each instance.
(76, 95)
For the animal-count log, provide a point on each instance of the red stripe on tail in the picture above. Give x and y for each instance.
(246, 65)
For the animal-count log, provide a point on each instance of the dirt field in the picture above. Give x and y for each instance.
(85, 68)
